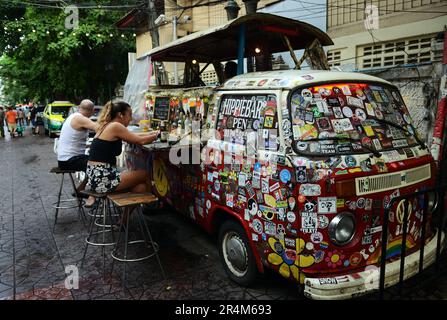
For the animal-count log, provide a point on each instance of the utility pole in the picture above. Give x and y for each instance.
(174, 37)
(153, 30)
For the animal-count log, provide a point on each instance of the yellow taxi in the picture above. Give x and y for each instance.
(54, 116)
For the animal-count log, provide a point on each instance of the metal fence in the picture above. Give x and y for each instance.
(438, 219)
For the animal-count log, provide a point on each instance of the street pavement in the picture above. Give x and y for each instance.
(33, 258)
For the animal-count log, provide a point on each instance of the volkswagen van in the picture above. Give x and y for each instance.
(293, 170)
(54, 116)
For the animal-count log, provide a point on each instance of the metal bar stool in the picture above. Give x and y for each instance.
(103, 219)
(128, 202)
(58, 204)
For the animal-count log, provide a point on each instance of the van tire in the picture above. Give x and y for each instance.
(239, 264)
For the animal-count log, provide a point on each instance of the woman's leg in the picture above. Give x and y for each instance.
(133, 180)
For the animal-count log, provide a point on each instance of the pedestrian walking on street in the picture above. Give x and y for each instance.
(72, 142)
(2, 122)
(33, 117)
(27, 112)
(20, 117)
(11, 119)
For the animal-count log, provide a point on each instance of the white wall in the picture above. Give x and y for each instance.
(348, 44)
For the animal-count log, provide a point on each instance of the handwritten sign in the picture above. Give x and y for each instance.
(161, 108)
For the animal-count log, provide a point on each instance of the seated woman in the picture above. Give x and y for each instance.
(107, 145)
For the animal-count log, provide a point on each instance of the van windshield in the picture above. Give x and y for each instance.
(350, 118)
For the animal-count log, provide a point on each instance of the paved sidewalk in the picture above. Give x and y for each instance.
(33, 258)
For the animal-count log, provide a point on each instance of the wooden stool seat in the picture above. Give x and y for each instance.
(130, 199)
(129, 202)
(58, 170)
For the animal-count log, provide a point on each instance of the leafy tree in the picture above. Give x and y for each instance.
(42, 60)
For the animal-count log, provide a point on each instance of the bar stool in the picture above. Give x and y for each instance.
(103, 219)
(57, 205)
(128, 202)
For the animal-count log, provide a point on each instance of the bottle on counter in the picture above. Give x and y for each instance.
(180, 126)
(163, 131)
(188, 123)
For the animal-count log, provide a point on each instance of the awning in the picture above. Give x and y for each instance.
(220, 43)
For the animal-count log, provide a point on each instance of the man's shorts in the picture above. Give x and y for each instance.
(77, 163)
(12, 126)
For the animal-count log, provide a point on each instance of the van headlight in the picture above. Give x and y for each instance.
(432, 201)
(342, 228)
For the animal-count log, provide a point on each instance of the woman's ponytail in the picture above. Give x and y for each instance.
(110, 111)
(106, 115)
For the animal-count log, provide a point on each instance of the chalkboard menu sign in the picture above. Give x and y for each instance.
(161, 108)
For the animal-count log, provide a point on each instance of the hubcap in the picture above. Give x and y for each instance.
(235, 254)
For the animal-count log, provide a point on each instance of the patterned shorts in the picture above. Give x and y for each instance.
(103, 178)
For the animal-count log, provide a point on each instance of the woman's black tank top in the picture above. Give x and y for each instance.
(105, 151)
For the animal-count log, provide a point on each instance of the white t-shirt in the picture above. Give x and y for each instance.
(71, 142)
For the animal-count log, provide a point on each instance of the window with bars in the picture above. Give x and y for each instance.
(333, 57)
(209, 77)
(388, 54)
(341, 12)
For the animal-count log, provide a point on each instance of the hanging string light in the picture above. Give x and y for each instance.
(74, 33)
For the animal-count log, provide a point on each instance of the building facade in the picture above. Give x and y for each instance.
(399, 40)
(190, 17)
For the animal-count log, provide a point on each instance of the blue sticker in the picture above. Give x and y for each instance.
(350, 161)
(285, 176)
(264, 237)
(257, 166)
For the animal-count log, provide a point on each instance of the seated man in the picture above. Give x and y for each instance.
(73, 139)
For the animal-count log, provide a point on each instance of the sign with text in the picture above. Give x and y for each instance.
(161, 108)
(247, 111)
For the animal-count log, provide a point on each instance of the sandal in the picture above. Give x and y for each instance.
(94, 204)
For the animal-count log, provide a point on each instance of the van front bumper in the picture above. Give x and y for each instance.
(352, 285)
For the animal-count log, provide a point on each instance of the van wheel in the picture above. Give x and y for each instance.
(236, 255)
(46, 131)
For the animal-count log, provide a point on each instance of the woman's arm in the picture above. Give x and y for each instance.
(123, 133)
